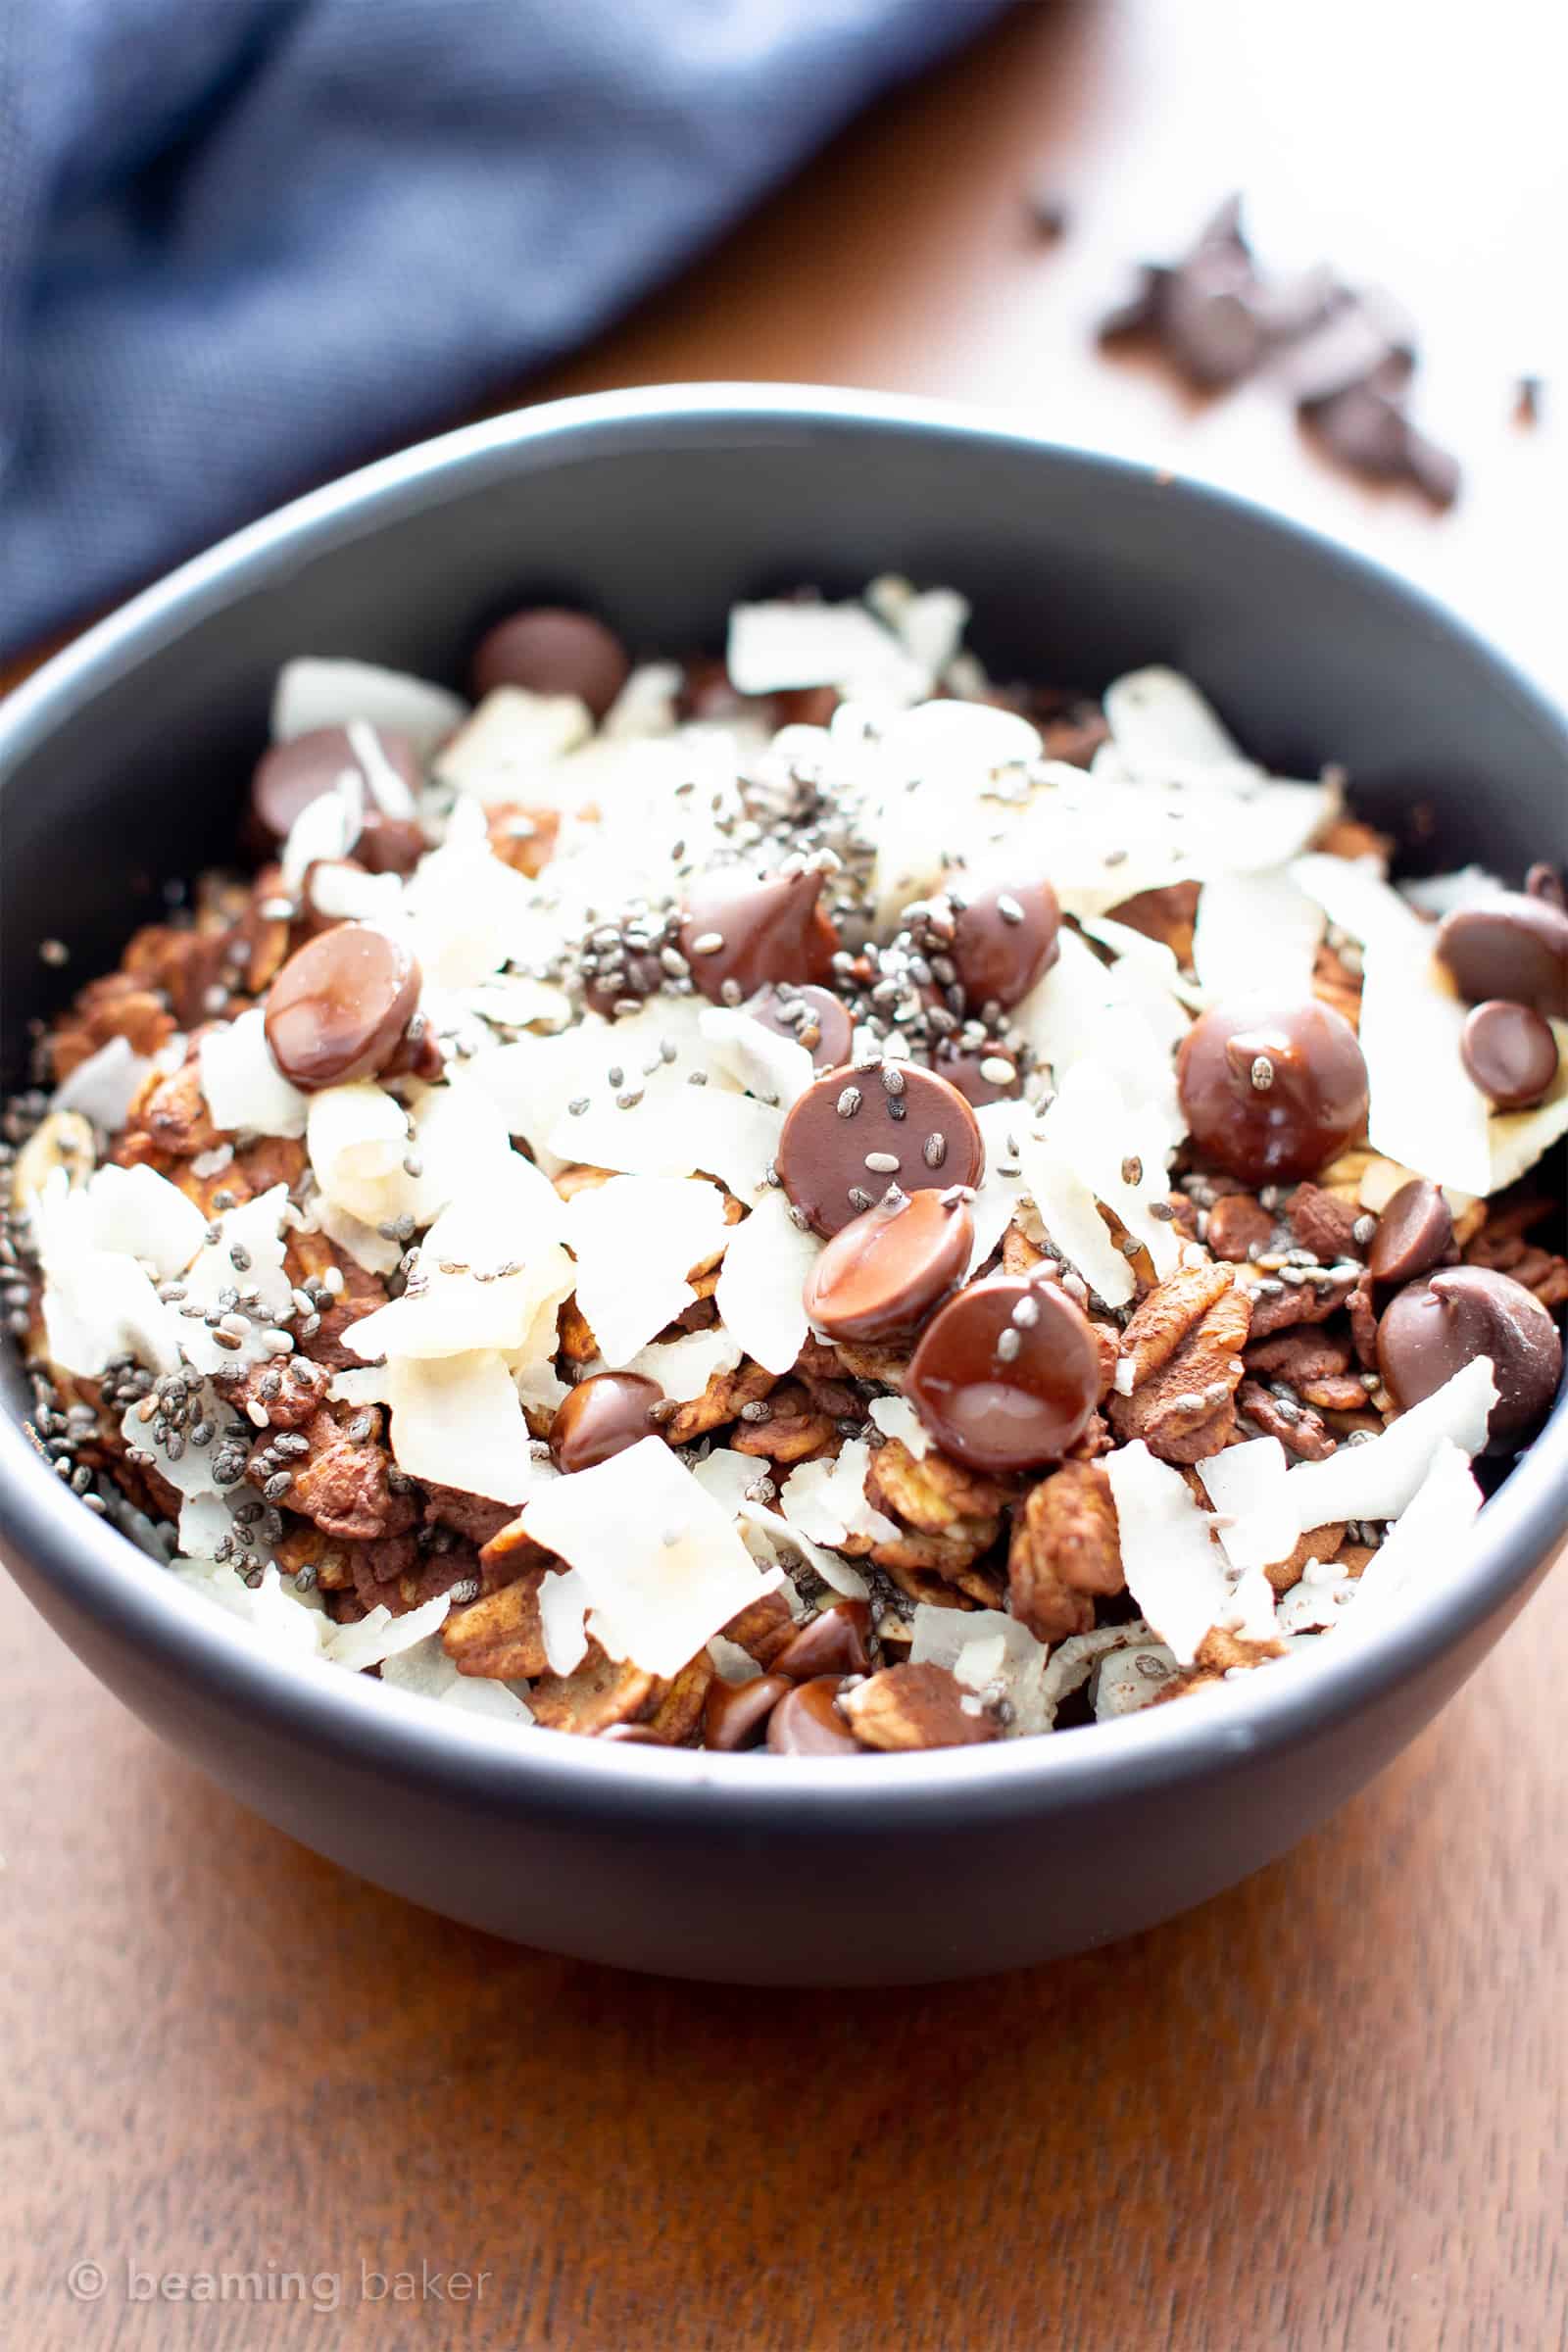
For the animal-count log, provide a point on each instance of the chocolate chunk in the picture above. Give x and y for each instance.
(1436, 1326)
(1509, 1052)
(882, 1274)
(978, 1072)
(735, 1714)
(814, 1016)
(1003, 940)
(1514, 946)
(340, 1005)
(1367, 428)
(855, 1132)
(1006, 1374)
(739, 934)
(1361, 339)
(1272, 1091)
(831, 1643)
(808, 1722)
(291, 775)
(547, 650)
(1414, 1233)
(602, 1417)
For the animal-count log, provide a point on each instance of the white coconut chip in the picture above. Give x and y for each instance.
(1428, 1544)
(1001, 1191)
(896, 1417)
(1423, 1110)
(986, 1651)
(468, 912)
(344, 895)
(760, 1293)
(1175, 1572)
(505, 749)
(1119, 1153)
(272, 1612)
(662, 1560)
(684, 1367)
(1356, 896)
(1379, 1479)
(247, 1256)
(564, 1604)
(929, 782)
(1156, 716)
(97, 1304)
(647, 704)
(489, 1268)
(205, 1518)
(637, 1240)
(1248, 1485)
(827, 1500)
(379, 1634)
(1255, 934)
(678, 1133)
(776, 1069)
(364, 1243)
(104, 1086)
(313, 692)
(514, 1001)
(456, 1421)
(1129, 1679)
(776, 647)
(930, 622)
(137, 1214)
(355, 1137)
(1073, 1661)
(242, 1085)
(325, 829)
(427, 1670)
(1076, 1230)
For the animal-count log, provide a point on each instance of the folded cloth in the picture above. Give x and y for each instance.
(246, 243)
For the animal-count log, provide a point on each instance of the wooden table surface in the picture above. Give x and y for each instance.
(1326, 2112)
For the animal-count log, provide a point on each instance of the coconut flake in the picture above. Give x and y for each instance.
(1100, 1137)
(1155, 715)
(1317, 1602)
(363, 1243)
(1423, 1109)
(137, 1214)
(1072, 1222)
(104, 1087)
(662, 1561)
(505, 749)
(637, 1240)
(776, 647)
(243, 1087)
(427, 1670)
(929, 624)
(325, 830)
(343, 893)
(1428, 1544)
(379, 1634)
(488, 1269)
(760, 1293)
(684, 1367)
(1255, 934)
(247, 1256)
(313, 692)
(1129, 1679)
(827, 1500)
(355, 1137)
(733, 1664)
(276, 1616)
(896, 1417)
(1439, 895)
(1174, 1571)
(564, 1604)
(1378, 1480)
(775, 1068)
(456, 1421)
(1248, 1483)
(97, 1304)
(468, 912)
(688, 1132)
(647, 704)
(986, 1651)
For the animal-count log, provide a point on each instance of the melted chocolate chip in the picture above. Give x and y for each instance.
(1437, 1325)
(740, 934)
(602, 1417)
(884, 1272)
(1510, 1054)
(1413, 1235)
(1003, 940)
(855, 1132)
(339, 1007)
(548, 650)
(832, 1643)
(977, 1072)
(814, 1017)
(1272, 1091)
(1006, 1374)
(291, 775)
(735, 1714)
(1514, 947)
(808, 1722)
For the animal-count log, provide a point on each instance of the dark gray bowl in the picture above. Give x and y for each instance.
(122, 763)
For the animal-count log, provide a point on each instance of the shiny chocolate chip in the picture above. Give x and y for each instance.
(814, 1017)
(1436, 1326)
(1515, 947)
(547, 650)
(340, 1005)
(735, 1714)
(1509, 1052)
(291, 775)
(831, 1643)
(1414, 1233)
(1006, 1374)
(1271, 1092)
(884, 1272)
(982, 1074)
(808, 1722)
(1003, 940)
(740, 933)
(600, 1417)
(855, 1132)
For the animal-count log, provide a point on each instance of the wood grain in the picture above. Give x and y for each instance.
(1325, 2114)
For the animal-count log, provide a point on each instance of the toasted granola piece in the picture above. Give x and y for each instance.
(791, 1429)
(578, 1342)
(116, 1006)
(1363, 1307)
(170, 1119)
(1323, 1224)
(509, 1554)
(1334, 984)
(1318, 1544)
(822, 1376)
(884, 1363)
(1305, 1352)
(325, 1560)
(601, 1691)
(1501, 1245)
(1065, 1549)
(580, 1179)
(501, 1636)
(762, 1629)
(1183, 1343)
(1168, 914)
(290, 1400)
(1237, 1224)
(344, 1483)
(1297, 1426)
(1277, 1304)
(679, 1711)
(935, 1493)
(907, 1707)
(720, 1401)
(933, 1568)
(1020, 1254)
(523, 836)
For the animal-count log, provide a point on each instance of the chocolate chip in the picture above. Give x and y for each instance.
(735, 1714)
(808, 1722)
(814, 1017)
(831, 1643)
(1314, 1101)
(1436, 1326)
(340, 1006)
(1012, 1413)
(1003, 940)
(883, 1273)
(822, 1157)
(602, 1417)
(548, 650)
(1509, 1052)
(740, 933)
(291, 775)
(1414, 1233)
(1514, 946)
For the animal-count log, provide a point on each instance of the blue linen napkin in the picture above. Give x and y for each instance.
(246, 243)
